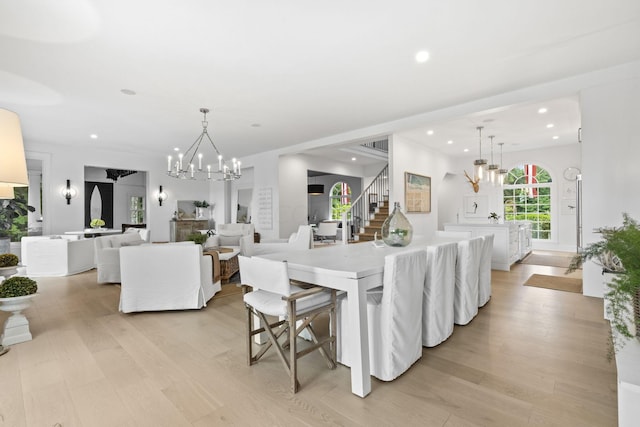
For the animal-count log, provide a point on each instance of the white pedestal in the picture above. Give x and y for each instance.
(628, 363)
(16, 327)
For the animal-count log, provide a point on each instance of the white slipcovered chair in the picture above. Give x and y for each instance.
(453, 234)
(273, 295)
(298, 241)
(168, 276)
(58, 256)
(484, 279)
(394, 312)
(107, 253)
(467, 271)
(438, 295)
(327, 230)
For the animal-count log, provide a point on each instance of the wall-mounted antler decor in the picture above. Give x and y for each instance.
(475, 183)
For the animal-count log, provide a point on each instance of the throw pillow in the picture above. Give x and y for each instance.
(229, 240)
(133, 243)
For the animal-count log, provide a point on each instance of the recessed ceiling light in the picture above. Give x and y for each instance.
(422, 57)
(449, 142)
(555, 137)
(430, 132)
(466, 150)
(176, 149)
(550, 125)
(542, 110)
(93, 136)
(128, 91)
(353, 159)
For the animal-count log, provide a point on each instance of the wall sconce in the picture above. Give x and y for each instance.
(69, 192)
(162, 196)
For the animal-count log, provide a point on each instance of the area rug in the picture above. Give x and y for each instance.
(567, 284)
(548, 260)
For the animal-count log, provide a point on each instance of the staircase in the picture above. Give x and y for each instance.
(375, 223)
(369, 210)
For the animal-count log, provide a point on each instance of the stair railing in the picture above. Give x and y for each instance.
(362, 208)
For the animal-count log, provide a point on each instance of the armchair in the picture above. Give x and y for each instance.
(230, 234)
(107, 254)
(327, 230)
(165, 277)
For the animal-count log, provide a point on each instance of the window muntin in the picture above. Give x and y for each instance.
(527, 196)
(340, 200)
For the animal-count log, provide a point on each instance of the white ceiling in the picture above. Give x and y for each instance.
(281, 73)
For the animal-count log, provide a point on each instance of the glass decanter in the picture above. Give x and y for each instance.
(396, 229)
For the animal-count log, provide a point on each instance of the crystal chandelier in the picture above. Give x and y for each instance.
(480, 163)
(194, 164)
(492, 169)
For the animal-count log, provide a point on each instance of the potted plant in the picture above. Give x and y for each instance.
(8, 264)
(96, 223)
(198, 238)
(10, 210)
(494, 218)
(618, 252)
(15, 295)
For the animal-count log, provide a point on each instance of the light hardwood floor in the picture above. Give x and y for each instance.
(532, 357)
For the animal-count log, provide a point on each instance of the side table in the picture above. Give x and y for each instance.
(228, 261)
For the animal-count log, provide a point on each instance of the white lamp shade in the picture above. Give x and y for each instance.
(13, 165)
(6, 192)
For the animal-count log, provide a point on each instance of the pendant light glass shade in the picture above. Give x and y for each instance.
(492, 169)
(480, 164)
(502, 172)
(13, 165)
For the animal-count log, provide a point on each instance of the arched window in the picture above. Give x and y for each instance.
(527, 196)
(340, 199)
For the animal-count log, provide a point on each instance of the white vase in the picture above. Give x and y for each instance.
(16, 327)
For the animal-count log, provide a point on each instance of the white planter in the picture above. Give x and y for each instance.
(16, 327)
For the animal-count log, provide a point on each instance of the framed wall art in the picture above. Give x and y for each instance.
(476, 206)
(417, 193)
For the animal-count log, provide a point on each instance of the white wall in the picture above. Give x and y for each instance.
(293, 186)
(555, 161)
(62, 162)
(320, 206)
(407, 156)
(610, 153)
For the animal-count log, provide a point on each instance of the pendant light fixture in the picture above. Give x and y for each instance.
(492, 169)
(315, 189)
(201, 164)
(502, 172)
(480, 163)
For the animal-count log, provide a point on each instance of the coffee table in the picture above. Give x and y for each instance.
(228, 261)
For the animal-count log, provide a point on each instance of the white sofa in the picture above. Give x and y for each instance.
(58, 256)
(165, 277)
(230, 234)
(300, 240)
(107, 252)
(26, 240)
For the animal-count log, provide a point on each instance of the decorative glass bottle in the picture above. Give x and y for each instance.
(396, 229)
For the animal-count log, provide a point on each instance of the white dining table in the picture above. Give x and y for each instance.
(353, 268)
